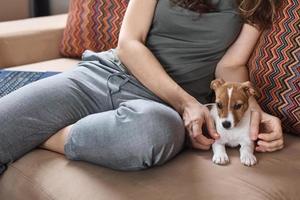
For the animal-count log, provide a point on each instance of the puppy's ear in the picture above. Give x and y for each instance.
(249, 89)
(216, 83)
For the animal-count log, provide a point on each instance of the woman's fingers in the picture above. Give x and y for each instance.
(196, 128)
(197, 145)
(271, 129)
(211, 126)
(273, 140)
(262, 149)
(270, 145)
(198, 140)
(203, 140)
(198, 135)
(269, 136)
(276, 148)
(254, 124)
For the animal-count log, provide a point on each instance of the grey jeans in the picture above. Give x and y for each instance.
(118, 123)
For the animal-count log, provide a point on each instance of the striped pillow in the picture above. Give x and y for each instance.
(92, 24)
(275, 67)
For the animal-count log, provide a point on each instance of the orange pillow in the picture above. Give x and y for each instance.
(93, 25)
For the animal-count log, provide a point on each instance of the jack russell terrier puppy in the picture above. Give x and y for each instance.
(231, 114)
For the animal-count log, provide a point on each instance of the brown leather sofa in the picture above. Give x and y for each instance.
(33, 45)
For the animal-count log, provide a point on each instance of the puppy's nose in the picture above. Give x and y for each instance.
(226, 124)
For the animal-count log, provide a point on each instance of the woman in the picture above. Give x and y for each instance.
(129, 108)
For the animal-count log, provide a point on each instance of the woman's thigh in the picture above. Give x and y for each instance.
(137, 135)
(34, 112)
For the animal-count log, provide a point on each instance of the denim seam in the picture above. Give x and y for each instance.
(68, 147)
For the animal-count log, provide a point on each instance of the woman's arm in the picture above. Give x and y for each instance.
(145, 67)
(236, 57)
(232, 67)
(140, 61)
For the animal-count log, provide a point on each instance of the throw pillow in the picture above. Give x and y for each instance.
(93, 25)
(275, 67)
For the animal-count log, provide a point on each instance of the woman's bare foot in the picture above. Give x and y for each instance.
(56, 142)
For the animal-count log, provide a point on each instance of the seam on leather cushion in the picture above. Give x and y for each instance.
(33, 184)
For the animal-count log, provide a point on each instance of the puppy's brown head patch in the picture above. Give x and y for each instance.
(232, 100)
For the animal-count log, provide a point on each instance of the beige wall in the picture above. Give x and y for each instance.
(20, 9)
(14, 9)
(58, 6)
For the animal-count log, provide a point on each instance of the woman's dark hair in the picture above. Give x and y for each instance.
(260, 13)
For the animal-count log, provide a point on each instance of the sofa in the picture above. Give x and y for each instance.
(33, 44)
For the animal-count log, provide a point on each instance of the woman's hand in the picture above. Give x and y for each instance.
(267, 129)
(195, 115)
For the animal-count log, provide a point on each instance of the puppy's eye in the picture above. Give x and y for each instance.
(237, 106)
(219, 105)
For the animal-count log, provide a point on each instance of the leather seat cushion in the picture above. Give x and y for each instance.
(191, 175)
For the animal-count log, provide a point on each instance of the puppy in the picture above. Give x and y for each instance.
(231, 114)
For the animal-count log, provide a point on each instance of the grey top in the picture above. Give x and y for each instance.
(189, 45)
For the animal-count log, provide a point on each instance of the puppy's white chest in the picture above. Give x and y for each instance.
(234, 136)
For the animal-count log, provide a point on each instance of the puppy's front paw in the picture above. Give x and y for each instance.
(220, 158)
(248, 159)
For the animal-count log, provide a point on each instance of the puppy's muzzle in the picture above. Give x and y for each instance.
(226, 124)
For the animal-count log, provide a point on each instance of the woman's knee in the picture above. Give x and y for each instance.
(137, 135)
(161, 133)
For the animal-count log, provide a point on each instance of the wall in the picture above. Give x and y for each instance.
(59, 6)
(14, 9)
(21, 9)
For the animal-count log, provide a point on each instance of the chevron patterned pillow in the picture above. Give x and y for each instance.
(275, 67)
(92, 24)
